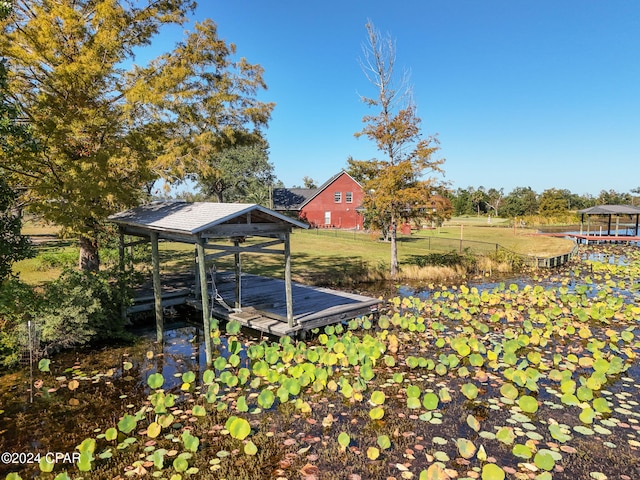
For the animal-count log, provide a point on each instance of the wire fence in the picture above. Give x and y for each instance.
(437, 244)
(433, 244)
(30, 351)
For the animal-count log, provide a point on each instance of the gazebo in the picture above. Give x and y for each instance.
(610, 211)
(198, 224)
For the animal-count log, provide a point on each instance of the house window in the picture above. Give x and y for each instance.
(349, 197)
(337, 197)
(327, 218)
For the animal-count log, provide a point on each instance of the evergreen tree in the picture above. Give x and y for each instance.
(239, 174)
(13, 246)
(108, 127)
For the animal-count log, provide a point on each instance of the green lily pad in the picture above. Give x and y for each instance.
(491, 471)
(155, 380)
(522, 451)
(587, 415)
(470, 391)
(384, 442)
(376, 413)
(127, 423)
(506, 435)
(528, 404)
(430, 401)
(509, 391)
(344, 440)
(378, 397)
(43, 365)
(266, 398)
(238, 428)
(250, 448)
(601, 405)
(544, 461)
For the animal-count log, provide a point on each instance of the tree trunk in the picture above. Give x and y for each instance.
(89, 256)
(394, 249)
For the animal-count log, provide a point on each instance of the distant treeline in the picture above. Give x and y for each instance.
(523, 201)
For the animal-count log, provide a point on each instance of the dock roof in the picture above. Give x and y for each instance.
(194, 219)
(611, 210)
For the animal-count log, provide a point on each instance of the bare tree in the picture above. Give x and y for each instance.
(398, 186)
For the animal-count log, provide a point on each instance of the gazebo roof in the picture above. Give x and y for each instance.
(194, 219)
(611, 210)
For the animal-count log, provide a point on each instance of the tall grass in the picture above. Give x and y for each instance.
(432, 273)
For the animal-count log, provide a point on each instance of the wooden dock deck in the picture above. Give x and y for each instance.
(594, 238)
(605, 239)
(263, 306)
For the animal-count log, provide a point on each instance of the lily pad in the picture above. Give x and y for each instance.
(491, 471)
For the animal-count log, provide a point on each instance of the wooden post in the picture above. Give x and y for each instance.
(157, 286)
(208, 344)
(121, 270)
(238, 270)
(287, 279)
(617, 224)
(121, 251)
(196, 287)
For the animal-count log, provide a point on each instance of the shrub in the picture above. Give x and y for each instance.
(449, 259)
(80, 308)
(18, 305)
(57, 259)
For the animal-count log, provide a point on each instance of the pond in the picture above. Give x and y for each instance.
(508, 380)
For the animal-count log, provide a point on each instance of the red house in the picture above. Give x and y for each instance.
(335, 204)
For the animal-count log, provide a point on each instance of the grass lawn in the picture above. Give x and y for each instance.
(32, 226)
(327, 254)
(333, 253)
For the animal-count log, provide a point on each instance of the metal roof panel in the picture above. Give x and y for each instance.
(191, 218)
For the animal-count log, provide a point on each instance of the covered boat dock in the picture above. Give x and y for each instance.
(627, 218)
(276, 306)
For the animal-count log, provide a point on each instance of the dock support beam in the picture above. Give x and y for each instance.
(157, 286)
(238, 272)
(121, 271)
(287, 279)
(204, 293)
(197, 291)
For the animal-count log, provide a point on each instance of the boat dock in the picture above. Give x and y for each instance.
(595, 238)
(263, 306)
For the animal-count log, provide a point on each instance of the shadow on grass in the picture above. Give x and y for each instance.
(310, 269)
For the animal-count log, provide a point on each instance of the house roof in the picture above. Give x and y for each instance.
(191, 219)
(611, 210)
(296, 198)
(291, 198)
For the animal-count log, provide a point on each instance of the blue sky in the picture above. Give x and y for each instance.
(540, 93)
